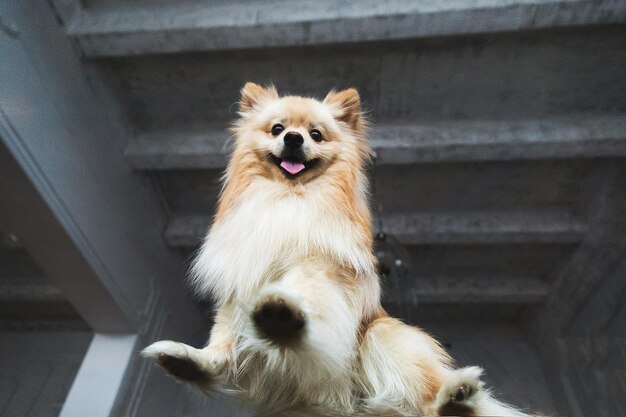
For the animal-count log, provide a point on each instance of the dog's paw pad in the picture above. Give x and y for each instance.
(458, 394)
(182, 368)
(463, 392)
(278, 318)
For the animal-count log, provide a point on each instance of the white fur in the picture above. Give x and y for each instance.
(271, 230)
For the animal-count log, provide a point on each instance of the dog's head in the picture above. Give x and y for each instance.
(295, 139)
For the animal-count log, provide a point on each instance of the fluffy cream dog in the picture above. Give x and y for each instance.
(299, 328)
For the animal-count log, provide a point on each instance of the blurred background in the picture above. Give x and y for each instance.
(500, 184)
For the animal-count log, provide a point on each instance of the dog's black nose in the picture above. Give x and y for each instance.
(293, 139)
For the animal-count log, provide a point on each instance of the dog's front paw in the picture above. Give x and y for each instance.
(278, 318)
(185, 362)
(458, 395)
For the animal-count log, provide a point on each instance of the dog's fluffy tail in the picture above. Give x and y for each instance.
(463, 394)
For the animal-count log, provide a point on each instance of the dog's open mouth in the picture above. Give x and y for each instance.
(292, 167)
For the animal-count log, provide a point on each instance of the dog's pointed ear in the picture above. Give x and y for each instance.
(252, 94)
(346, 106)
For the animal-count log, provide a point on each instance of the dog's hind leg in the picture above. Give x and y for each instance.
(404, 371)
(201, 367)
(401, 368)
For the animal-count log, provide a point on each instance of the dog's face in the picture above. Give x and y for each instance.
(295, 139)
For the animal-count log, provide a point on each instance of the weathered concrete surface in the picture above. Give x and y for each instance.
(132, 28)
(486, 227)
(28, 299)
(512, 368)
(512, 76)
(38, 369)
(541, 226)
(498, 259)
(471, 290)
(595, 267)
(443, 187)
(580, 329)
(582, 136)
(509, 186)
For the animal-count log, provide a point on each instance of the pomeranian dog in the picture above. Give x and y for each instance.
(299, 329)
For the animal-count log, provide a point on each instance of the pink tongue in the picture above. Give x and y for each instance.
(292, 167)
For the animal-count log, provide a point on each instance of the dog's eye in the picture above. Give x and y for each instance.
(277, 129)
(316, 135)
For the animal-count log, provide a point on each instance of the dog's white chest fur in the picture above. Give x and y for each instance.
(269, 231)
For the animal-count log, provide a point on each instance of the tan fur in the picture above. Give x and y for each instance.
(308, 242)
